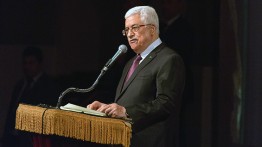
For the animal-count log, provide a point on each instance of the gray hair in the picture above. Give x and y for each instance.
(147, 14)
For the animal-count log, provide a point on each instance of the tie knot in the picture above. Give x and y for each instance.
(138, 58)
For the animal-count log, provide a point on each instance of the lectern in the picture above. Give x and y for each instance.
(50, 121)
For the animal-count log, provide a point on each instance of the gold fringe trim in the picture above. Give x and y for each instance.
(73, 125)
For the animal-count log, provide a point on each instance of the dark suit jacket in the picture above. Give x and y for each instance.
(45, 90)
(152, 97)
(179, 36)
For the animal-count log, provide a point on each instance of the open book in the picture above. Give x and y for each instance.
(76, 108)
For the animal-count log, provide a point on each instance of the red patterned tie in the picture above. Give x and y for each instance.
(133, 67)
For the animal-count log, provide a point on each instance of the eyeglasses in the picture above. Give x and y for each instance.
(133, 28)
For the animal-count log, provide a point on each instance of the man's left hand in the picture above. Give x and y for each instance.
(113, 110)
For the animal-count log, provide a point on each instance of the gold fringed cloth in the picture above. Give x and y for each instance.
(73, 125)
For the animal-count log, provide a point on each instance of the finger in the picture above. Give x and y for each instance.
(95, 105)
(110, 111)
(113, 115)
(91, 106)
(103, 108)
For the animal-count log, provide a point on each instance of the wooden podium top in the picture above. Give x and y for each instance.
(75, 125)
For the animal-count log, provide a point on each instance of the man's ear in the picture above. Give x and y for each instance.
(153, 29)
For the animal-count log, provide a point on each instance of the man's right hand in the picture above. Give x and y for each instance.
(95, 105)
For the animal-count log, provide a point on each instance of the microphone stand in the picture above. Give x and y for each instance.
(73, 89)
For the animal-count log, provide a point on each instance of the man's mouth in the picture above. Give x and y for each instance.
(133, 40)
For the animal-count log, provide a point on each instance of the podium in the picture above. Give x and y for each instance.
(49, 121)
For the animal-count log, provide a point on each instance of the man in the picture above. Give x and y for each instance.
(178, 34)
(34, 88)
(151, 95)
(176, 31)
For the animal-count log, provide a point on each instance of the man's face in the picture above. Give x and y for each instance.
(138, 40)
(31, 66)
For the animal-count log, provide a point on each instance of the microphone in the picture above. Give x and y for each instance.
(121, 50)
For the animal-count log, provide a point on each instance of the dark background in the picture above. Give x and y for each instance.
(78, 37)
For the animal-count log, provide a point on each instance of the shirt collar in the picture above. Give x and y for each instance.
(35, 78)
(150, 48)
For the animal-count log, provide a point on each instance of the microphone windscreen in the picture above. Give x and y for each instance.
(123, 48)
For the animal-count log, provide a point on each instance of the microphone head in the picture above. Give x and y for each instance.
(123, 48)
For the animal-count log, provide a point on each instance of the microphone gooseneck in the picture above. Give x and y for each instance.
(121, 50)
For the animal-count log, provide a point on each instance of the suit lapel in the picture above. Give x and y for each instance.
(122, 80)
(144, 63)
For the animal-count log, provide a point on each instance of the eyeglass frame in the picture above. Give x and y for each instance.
(134, 26)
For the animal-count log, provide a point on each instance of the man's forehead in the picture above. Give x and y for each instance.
(133, 19)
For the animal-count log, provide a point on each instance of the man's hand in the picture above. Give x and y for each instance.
(95, 105)
(113, 110)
